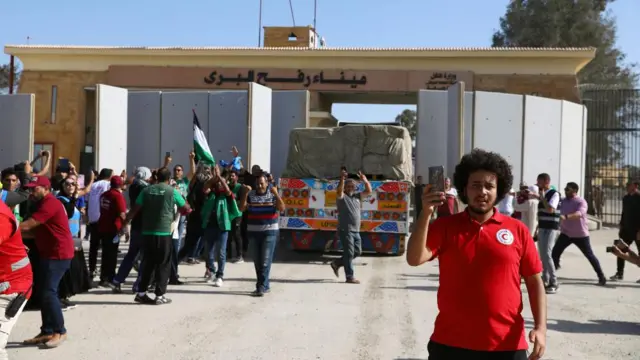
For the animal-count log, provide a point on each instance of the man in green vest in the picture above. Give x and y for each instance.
(158, 203)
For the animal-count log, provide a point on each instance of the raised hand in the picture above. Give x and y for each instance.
(432, 199)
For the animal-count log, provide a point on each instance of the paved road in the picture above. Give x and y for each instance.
(310, 315)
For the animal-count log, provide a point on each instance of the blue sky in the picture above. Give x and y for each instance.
(228, 23)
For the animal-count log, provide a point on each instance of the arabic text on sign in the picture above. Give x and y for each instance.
(263, 78)
(330, 199)
(441, 81)
(392, 206)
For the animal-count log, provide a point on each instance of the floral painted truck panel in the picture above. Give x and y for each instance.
(311, 205)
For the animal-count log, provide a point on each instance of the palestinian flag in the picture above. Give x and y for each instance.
(200, 144)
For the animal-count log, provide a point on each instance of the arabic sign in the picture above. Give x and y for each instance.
(263, 78)
(285, 79)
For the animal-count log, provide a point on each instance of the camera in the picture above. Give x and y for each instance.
(619, 244)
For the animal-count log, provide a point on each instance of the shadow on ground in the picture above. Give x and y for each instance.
(421, 288)
(594, 282)
(611, 327)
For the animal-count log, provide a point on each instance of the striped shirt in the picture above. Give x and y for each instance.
(262, 215)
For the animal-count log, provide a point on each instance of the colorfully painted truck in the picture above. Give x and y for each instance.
(310, 219)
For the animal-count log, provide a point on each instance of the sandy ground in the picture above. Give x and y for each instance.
(311, 315)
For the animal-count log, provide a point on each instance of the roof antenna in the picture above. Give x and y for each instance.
(260, 25)
(28, 38)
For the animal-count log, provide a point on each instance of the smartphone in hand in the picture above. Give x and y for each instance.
(64, 165)
(621, 245)
(436, 178)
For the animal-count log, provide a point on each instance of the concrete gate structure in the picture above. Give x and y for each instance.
(162, 85)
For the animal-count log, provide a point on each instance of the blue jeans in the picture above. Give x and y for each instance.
(51, 272)
(216, 241)
(127, 263)
(351, 249)
(182, 226)
(263, 246)
(546, 242)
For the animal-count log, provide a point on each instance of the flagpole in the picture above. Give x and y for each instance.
(260, 25)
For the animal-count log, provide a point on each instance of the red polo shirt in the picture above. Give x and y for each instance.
(53, 236)
(479, 298)
(112, 204)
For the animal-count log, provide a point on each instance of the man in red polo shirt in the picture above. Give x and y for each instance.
(15, 275)
(113, 211)
(482, 257)
(50, 227)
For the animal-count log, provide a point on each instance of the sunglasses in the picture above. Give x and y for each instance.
(69, 183)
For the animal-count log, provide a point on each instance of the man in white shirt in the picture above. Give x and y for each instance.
(527, 206)
(99, 187)
(505, 206)
(548, 229)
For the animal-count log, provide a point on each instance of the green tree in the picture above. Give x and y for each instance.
(4, 77)
(605, 82)
(407, 118)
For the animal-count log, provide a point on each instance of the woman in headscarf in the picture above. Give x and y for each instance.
(218, 211)
(77, 279)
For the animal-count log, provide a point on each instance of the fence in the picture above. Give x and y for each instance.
(612, 149)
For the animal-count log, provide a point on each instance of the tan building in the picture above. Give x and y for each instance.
(63, 78)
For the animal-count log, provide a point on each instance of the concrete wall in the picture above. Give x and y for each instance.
(534, 134)
(16, 121)
(433, 130)
(161, 122)
(143, 141)
(289, 110)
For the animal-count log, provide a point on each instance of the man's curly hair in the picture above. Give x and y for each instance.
(477, 160)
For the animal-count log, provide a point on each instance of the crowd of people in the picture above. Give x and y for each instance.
(221, 211)
(489, 249)
(215, 212)
(555, 222)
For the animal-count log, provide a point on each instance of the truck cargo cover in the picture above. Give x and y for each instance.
(374, 149)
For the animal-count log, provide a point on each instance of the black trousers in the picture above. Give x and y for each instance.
(584, 244)
(629, 237)
(193, 233)
(156, 262)
(443, 352)
(109, 257)
(243, 233)
(235, 243)
(94, 246)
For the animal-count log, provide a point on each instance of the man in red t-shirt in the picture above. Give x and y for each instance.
(50, 227)
(482, 257)
(113, 211)
(15, 274)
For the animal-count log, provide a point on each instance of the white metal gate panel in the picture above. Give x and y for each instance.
(259, 126)
(177, 124)
(571, 159)
(143, 145)
(17, 121)
(290, 110)
(498, 127)
(541, 147)
(455, 121)
(112, 128)
(228, 124)
(432, 129)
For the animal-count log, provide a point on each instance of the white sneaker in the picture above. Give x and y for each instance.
(218, 282)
